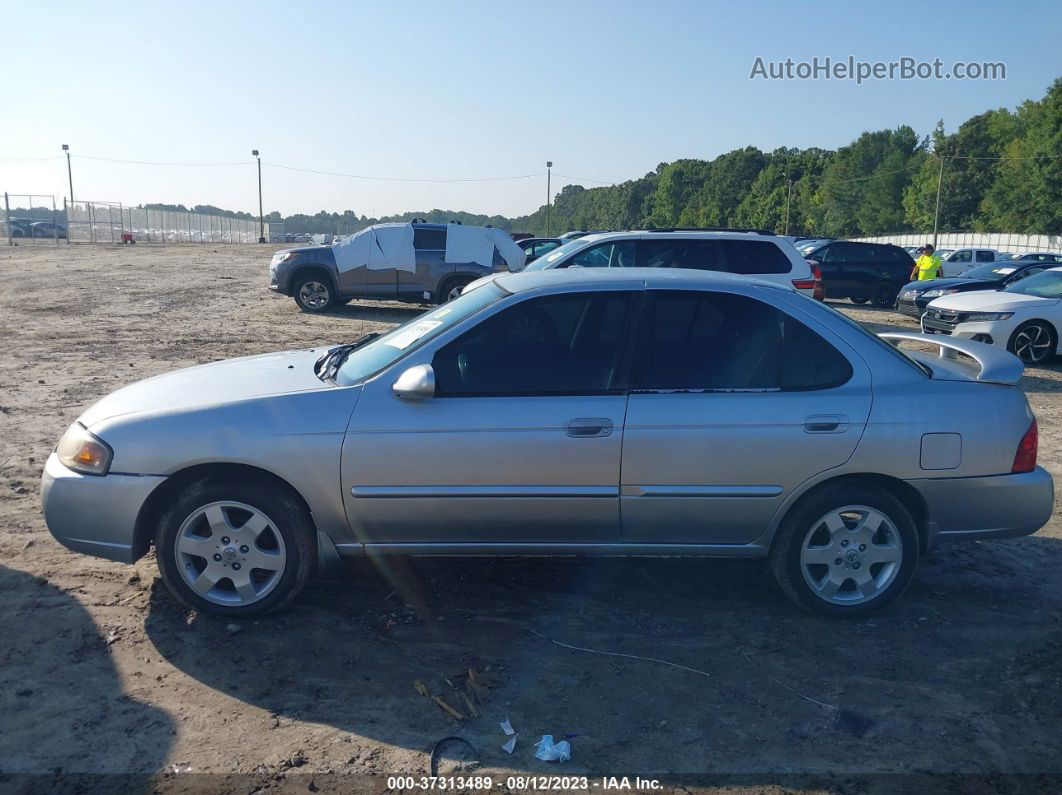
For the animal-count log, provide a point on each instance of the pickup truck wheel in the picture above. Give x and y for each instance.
(235, 548)
(313, 294)
(845, 551)
(1033, 342)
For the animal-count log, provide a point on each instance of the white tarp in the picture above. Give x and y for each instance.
(477, 244)
(391, 246)
(353, 251)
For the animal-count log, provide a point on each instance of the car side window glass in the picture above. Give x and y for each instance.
(429, 239)
(834, 253)
(754, 257)
(619, 254)
(985, 256)
(962, 256)
(702, 341)
(689, 254)
(557, 345)
(544, 248)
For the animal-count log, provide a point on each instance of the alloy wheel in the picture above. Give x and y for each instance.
(313, 295)
(230, 553)
(851, 555)
(1033, 343)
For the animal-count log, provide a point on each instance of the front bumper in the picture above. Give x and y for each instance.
(94, 514)
(910, 307)
(996, 506)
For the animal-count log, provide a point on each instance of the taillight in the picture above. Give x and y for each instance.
(1025, 457)
(814, 283)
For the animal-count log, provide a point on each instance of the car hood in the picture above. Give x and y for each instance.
(214, 384)
(944, 284)
(989, 301)
(303, 249)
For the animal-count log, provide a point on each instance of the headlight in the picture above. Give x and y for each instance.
(975, 317)
(937, 292)
(82, 452)
(281, 257)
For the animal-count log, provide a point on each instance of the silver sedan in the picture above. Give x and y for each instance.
(563, 412)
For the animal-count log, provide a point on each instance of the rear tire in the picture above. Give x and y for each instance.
(314, 294)
(845, 550)
(859, 300)
(1033, 342)
(235, 547)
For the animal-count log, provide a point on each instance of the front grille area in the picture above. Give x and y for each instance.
(941, 320)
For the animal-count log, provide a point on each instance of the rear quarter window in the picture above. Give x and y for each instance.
(753, 257)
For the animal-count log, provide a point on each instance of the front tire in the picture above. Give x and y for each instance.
(845, 551)
(314, 294)
(235, 547)
(1034, 342)
(859, 300)
(451, 289)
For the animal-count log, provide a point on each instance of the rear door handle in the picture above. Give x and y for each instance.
(587, 427)
(826, 423)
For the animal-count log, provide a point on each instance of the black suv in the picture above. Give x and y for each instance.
(864, 272)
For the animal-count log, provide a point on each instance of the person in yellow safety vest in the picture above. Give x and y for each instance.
(928, 266)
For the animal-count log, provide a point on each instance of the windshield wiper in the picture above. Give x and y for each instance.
(328, 365)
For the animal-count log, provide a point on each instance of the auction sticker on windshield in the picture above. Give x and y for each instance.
(410, 335)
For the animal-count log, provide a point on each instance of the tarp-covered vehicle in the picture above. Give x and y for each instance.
(406, 262)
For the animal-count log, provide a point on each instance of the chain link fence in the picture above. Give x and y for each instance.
(111, 222)
(30, 218)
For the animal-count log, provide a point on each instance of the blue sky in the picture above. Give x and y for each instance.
(430, 90)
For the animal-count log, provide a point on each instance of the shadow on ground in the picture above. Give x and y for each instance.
(959, 676)
(67, 713)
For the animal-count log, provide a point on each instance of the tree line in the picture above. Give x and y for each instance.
(1000, 171)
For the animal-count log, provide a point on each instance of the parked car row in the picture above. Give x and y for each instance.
(27, 227)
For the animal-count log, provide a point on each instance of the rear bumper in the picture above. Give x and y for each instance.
(95, 515)
(997, 506)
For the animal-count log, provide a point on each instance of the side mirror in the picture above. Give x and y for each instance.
(416, 383)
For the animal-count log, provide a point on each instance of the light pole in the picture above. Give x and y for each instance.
(549, 169)
(788, 201)
(261, 220)
(70, 176)
(936, 213)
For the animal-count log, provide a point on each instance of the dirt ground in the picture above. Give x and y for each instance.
(101, 672)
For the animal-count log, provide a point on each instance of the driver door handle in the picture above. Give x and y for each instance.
(589, 427)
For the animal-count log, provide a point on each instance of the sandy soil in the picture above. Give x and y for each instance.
(100, 671)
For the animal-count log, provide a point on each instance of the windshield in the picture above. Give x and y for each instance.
(546, 262)
(1043, 285)
(995, 271)
(388, 349)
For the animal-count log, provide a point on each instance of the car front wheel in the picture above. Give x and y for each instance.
(1033, 342)
(846, 550)
(313, 294)
(235, 548)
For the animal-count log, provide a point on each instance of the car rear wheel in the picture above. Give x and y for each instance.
(845, 551)
(1033, 342)
(884, 295)
(235, 548)
(313, 294)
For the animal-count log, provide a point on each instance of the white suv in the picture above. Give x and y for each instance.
(748, 252)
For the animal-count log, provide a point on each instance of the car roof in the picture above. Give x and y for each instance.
(649, 234)
(676, 278)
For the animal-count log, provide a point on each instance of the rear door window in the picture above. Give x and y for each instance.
(704, 341)
(689, 254)
(986, 256)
